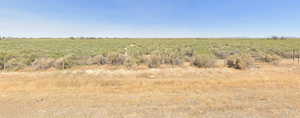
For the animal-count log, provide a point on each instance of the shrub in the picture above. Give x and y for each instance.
(273, 59)
(222, 54)
(4, 57)
(14, 64)
(225, 54)
(177, 61)
(100, 60)
(117, 59)
(266, 57)
(172, 59)
(2, 62)
(60, 64)
(240, 62)
(130, 61)
(189, 52)
(154, 61)
(93, 60)
(283, 54)
(71, 60)
(43, 63)
(204, 62)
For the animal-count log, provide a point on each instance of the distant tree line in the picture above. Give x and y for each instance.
(278, 38)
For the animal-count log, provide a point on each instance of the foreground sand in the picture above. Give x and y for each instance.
(183, 92)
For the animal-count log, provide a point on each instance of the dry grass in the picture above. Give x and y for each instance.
(186, 92)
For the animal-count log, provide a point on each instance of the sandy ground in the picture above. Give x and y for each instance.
(182, 92)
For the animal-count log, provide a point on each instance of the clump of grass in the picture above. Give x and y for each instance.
(204, 62)
(240, 62)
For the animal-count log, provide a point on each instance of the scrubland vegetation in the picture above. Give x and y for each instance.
(41, 54)
(196, 78)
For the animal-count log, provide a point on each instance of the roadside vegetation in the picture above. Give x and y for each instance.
(42, 54)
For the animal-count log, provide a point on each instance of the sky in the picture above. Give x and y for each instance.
(149, 18)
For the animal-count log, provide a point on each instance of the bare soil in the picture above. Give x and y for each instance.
(267, 91)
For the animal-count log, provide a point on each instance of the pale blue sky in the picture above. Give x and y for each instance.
(149, 18)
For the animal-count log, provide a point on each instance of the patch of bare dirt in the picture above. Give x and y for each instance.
(181, 92)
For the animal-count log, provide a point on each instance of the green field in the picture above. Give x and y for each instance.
(89, 47)
(29, 50)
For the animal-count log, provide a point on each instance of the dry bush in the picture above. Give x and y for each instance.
(283, 54)
(144, 59)
(272, 59)
(204, 62)
(130, 62)
(257, 56)
(99, 60)
(171, 59)
(189, 52)
(288, 55)
(10, 62)
(2, 63)
(59, 63)
(118, 59)
(72, 60)
(4, 57)
(93, 60)
(240, 62)
(69, 61)
(43, 63)
(222, 54)
(225, 54)
(154, 61)
(14, 64)
(177, 61)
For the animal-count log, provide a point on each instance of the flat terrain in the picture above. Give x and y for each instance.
(267, 91)
(87, 47)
